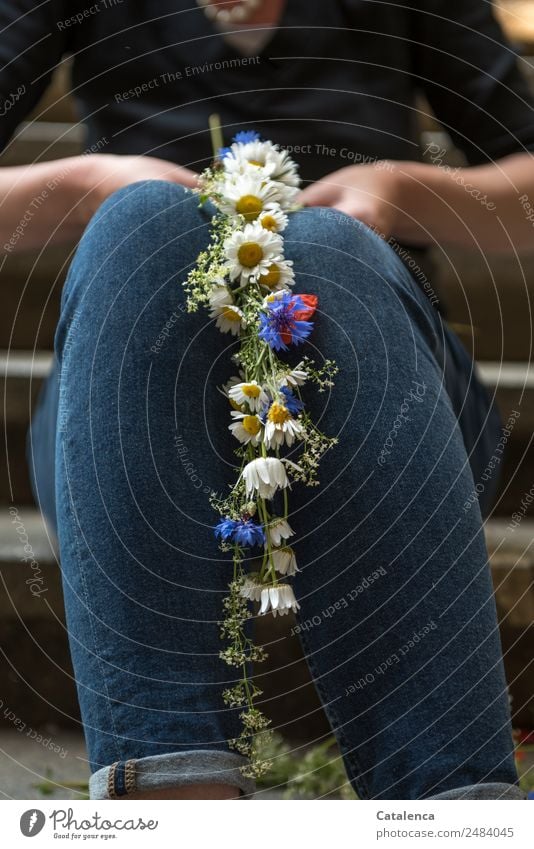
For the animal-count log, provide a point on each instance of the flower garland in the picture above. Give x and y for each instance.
(245, 281)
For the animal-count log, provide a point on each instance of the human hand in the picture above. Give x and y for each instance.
(99, 175)
(370, 193)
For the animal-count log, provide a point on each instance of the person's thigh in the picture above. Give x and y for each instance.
(140, 446)
(397, 613)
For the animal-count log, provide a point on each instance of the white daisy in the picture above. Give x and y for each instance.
(230, 318)
(219, 295)
(286, 196)
(257, 155)
(281, 427)
(278, 599)
(232, 381)
(274, 296)
(250, 393)
(264, 475)
(251, 251)
(296, 377)
(247, 195)
(267, 157)
(251, 588)
(246, 428)
(284, 560)
(279, 529)
(225, 389)
(273, 219)
(279, 275)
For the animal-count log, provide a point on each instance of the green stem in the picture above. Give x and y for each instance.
(267, 560)
(259, 362)
(217, 140)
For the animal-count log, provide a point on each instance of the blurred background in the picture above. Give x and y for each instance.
(488, 302)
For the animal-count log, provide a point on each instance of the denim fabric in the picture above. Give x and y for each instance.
(397, 617)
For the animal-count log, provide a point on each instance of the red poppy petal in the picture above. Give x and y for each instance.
(311, 304)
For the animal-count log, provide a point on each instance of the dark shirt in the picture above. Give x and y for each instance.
(337, 83)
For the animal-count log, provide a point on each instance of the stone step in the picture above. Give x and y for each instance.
(36, 672)
(21, 377)
(22, 373)
(37, 678)
(40, 141)
(490, 300)
(44, 762)
(57, 104)
(31, 285)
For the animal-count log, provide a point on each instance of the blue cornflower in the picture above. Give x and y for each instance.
(243, 531)
(293, 404)
(280, 324)
(224, 151)
(246, 136)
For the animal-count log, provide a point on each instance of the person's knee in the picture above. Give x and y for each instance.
(329, 229)
(151, 221)
(143, 204)
(345, 256)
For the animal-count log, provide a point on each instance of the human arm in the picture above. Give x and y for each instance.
(488, 206)
(51, 202)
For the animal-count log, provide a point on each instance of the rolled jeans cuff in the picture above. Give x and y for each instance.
(176, 769)
(489, 790)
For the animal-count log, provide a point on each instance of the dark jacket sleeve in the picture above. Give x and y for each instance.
(32, 43)
(471, 76)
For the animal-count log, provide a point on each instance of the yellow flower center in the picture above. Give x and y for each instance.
(251, 424)
(250, 390)
(278, 414)
(249, 206)
(236, 406)
(231, 314)
(268, 222)
(256, 162)
(250, 254)
(272, 277)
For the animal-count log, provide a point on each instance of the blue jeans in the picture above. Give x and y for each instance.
(397, 617)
